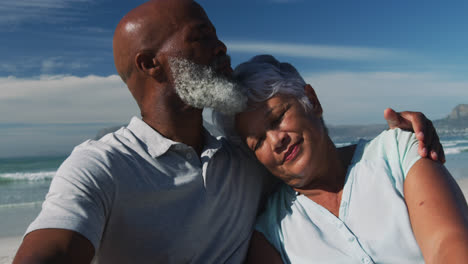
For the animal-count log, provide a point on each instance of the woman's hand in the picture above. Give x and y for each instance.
(438, 213)
(429, 143)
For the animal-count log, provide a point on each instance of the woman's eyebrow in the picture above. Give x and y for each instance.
(271, 110)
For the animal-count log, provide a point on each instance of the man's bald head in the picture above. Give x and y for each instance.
(147, 27)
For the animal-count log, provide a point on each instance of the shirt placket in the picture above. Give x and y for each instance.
(349, 238)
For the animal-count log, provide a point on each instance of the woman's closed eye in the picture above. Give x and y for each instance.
(259, 143)
(277, 121)
(274, 124)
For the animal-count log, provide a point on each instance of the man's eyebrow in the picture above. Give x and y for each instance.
(202, 25)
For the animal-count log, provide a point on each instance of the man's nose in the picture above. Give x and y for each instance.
(220, 48)
(279, 140)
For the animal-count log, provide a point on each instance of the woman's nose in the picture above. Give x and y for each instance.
(279, 140)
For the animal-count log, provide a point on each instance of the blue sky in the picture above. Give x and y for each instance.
(56, 64)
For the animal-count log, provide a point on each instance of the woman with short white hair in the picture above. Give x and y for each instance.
(376, 201)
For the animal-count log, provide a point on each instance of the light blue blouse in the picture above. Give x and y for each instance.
(373, 224)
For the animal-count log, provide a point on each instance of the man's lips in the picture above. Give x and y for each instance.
(223, 64)
(292, 152)
(225, 67)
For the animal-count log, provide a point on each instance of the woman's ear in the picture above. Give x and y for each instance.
(148, 63)
(310, 93)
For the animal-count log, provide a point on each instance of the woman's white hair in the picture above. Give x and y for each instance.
(261, 78)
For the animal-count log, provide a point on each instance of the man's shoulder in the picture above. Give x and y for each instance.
(110, 143)
(108, 151)
(234, 145)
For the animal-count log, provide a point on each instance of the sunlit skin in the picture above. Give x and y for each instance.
(292, 143)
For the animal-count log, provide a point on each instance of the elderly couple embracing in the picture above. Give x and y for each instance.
(276, 190)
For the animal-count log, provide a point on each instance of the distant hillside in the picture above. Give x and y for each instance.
(455, 124)
(349, 133)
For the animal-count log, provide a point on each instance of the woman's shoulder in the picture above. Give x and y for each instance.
(279, 204)
(396, 149)
(389, 144)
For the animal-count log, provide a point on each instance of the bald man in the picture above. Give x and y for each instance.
(162, 189)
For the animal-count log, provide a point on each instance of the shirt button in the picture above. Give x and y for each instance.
(189, 156)
(351, 239)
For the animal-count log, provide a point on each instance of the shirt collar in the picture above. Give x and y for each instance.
(156, 144)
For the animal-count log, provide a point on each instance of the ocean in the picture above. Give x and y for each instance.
(24, 183)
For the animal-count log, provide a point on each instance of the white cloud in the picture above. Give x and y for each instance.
(68, 63)
(313, 51)
(18, 11)
(361, 97)
(49, 65)
(8, 67)
(65, 99)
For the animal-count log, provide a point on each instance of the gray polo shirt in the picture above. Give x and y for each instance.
(142, 198)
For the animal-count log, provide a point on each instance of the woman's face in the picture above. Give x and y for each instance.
(288, 140)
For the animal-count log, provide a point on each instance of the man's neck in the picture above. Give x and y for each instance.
(184, 126)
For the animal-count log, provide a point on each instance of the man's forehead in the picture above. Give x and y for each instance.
(197, 16)
(192, 19)
(193, 11)
(175, 14)
(198, 26)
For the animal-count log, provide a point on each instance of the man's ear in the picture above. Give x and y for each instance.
(148, 63)
(310, 93)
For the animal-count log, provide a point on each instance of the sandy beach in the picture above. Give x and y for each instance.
(463, 183)
(9, 245)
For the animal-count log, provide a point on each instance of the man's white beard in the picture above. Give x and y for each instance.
(199, 86)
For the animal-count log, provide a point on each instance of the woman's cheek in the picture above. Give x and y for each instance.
(266, 159)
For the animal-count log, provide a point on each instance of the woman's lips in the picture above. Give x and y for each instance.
(292, 152)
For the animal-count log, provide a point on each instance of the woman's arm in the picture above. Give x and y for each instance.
(438, 213)
(261, 251)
